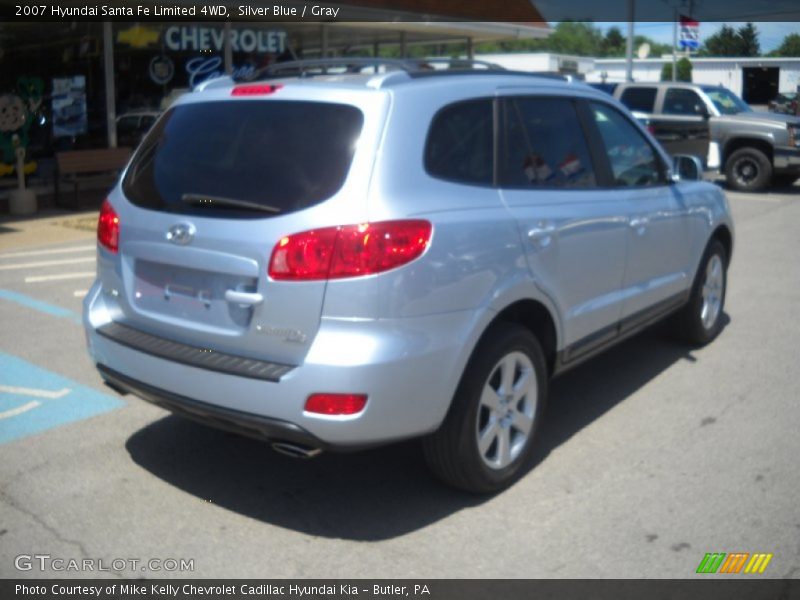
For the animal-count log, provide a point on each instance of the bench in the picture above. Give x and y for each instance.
(80, 166)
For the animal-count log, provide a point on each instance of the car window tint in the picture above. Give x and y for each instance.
(543, 145)
(633, 160)
(639, 98)
(460, 143)
(678, 101)
(285, 155)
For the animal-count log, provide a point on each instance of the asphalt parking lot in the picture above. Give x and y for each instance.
(652, 455)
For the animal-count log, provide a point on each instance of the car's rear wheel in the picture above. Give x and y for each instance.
(748, 170)
(700, 321)
(487, 437)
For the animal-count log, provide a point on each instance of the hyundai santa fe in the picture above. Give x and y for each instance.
(340, 260)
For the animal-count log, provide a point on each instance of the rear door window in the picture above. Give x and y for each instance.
(543, 145)
(244, 159)
(642, 99)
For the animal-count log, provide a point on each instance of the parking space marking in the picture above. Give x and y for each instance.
(80, 293)
(46, 263)
(41, 306)
(19, 410)
(49, 251)
(37, 393)
(22, 417)
(60, 276)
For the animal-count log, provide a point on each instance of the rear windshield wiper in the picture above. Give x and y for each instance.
(220, 202)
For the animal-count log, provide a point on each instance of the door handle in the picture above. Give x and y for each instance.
(542, 234)
(243, 298)
(639, 224)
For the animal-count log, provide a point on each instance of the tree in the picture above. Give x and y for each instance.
(614, 43)
(723, 43)
(731, 42)
(748, 40)
(790, 46)
(684, 70)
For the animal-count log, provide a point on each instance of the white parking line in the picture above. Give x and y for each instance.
(19, 410)
(36, 393)
(77, 275)
(46, 263)
(51, 251)
(80, 293)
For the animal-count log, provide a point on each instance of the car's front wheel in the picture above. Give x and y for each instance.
(487, 437)
(748, 170)
(700, 321)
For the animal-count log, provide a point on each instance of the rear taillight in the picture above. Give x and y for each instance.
(108, 227)
(651, 129)
(349, 250)
(336, 404)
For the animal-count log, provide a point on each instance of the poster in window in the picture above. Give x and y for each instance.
(69, 106)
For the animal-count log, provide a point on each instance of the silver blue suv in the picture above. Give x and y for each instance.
(332, 261)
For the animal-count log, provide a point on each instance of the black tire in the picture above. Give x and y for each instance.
(689, 322)
(748, 170)
(783, 180)
(453, 452)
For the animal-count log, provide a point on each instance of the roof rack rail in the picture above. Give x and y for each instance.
(214, 82)
(460, 63)
(321, 66)
(306, 68)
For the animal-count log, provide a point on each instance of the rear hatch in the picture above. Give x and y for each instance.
(211, 190)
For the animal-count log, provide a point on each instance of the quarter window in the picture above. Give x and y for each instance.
(460, 143)
(543, 145)
(633, 160)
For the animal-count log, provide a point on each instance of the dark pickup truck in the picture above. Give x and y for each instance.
(752, 149)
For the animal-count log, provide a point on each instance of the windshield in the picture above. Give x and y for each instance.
(244, 159)
(726, 101)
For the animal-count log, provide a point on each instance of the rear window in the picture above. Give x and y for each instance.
(639, 98)
(244, 159)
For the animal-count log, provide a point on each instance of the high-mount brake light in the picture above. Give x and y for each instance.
(255, 89)
(108, 227)
(349, 250)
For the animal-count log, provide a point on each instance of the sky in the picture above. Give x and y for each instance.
(771, 34)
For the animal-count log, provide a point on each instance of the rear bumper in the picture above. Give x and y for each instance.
(250, 425)
(408, 368)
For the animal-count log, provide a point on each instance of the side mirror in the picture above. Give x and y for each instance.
(701, 111)
(686, 168)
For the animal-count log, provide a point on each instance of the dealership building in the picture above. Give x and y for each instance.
(66, 82)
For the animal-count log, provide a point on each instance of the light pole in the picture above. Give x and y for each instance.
(629, 43)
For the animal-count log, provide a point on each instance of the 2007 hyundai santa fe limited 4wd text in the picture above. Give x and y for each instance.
(336, 260)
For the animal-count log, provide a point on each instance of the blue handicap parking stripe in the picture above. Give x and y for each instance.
(44, 307)
(34, 400)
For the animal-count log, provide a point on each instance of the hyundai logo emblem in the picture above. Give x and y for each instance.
(181, 233)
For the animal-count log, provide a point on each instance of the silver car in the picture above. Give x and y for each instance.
(338, 261)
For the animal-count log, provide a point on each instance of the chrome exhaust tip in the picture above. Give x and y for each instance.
(294, 450)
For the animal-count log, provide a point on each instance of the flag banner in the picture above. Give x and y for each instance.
(690, 33)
